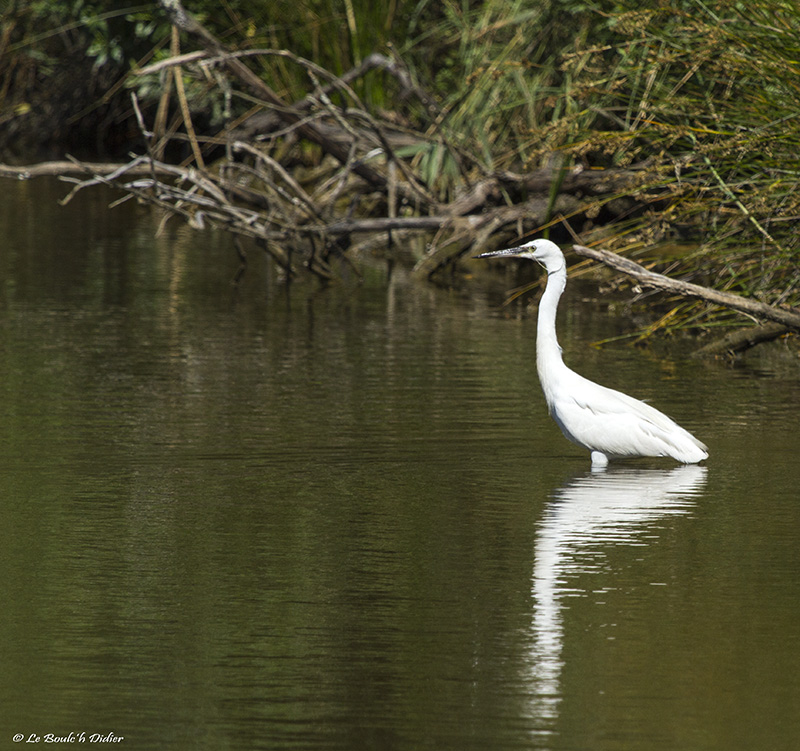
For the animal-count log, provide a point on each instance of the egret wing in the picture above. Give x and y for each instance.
(606, 420)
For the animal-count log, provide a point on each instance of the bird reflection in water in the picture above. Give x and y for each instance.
(586, 515)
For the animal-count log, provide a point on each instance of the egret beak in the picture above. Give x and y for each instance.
(500, 253)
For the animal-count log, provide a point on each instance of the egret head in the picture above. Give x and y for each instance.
(547, 253)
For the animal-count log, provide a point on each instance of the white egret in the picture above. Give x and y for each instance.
(608, 423)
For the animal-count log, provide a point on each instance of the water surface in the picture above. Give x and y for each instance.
(339, 518)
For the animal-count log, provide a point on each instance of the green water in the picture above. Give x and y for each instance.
(341, 519)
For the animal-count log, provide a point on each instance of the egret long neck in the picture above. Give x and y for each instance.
(548, 352)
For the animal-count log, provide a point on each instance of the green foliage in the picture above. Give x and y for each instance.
(436, 165)
(498, 72)
(86, 24)
(710, 91)
(705, 92)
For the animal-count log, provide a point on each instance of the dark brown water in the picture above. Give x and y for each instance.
(341, 519)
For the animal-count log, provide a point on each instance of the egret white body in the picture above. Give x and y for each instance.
(608, 423)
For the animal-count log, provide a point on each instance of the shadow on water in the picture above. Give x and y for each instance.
(588, 515)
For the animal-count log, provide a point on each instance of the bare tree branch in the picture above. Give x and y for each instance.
(187, 23)
(745, 305)
(65, 167)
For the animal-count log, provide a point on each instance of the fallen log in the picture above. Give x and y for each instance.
(480, 232)
(385, 224)
(742, 339)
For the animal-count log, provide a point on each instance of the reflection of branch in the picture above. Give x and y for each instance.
(687, 289)
(197, 197)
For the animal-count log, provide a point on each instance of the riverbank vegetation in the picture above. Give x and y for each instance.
(669, 132)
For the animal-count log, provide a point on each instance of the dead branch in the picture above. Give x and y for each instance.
(375, 61)
(688, 289)
(59, 168)
(742, 339)
(261, 189)
(300, 194)
(385, 224)
(189, 24)
(177, 76)
(197, 197)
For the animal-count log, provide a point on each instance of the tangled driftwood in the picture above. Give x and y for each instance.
(367, 180)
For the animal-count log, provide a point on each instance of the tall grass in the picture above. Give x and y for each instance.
(706, 93)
